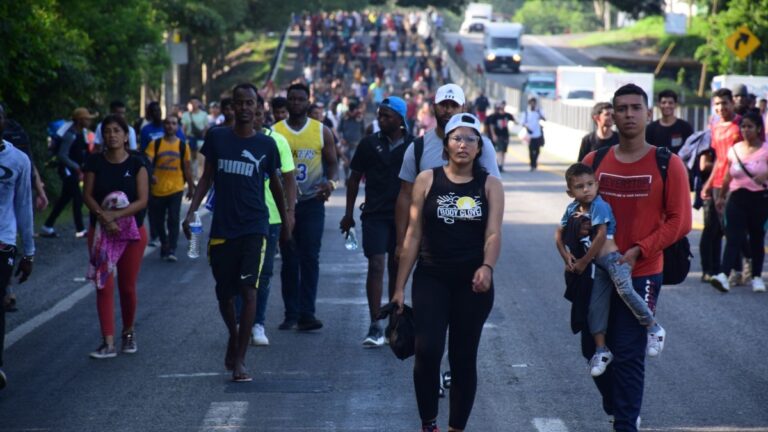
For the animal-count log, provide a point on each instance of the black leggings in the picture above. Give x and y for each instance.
(745, 214)
(70, 190)
(443, 299)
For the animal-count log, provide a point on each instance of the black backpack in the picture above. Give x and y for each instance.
(677, 257)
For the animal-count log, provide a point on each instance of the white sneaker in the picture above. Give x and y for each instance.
(600, 362)
(655, 342)
(258, 337)
(720, 282)
(758, 285)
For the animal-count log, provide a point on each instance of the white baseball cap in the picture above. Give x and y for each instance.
(463, 120)
(450, 92)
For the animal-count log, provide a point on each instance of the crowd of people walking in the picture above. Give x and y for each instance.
(375, 104)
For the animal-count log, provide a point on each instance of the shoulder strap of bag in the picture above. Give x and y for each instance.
(155, 143)
(601, 152)
(744, 168)
(418, 150)
(663, 155)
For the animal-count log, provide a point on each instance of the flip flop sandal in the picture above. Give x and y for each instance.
(241, 378)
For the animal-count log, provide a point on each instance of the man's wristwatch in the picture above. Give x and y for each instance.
(334, 184)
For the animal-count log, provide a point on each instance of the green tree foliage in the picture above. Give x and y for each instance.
(720, 59)
(556, 16)
(59, 54)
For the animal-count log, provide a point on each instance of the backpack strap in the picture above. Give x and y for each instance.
(156, 144)
(599, 155)
(418, 150)
(182, 152)
(663, 155)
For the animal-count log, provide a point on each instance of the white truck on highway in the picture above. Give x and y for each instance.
(476, 17)
(503, 47)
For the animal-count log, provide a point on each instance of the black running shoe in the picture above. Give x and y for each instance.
(309, 324)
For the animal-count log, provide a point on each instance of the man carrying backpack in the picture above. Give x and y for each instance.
(652, 213)
(70, 148)
(170, 170)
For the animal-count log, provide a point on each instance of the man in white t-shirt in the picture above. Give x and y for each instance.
(531, 120)
(194, 124)
(117, 108)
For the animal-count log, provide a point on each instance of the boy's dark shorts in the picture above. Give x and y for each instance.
(235, 263)
(378, 236)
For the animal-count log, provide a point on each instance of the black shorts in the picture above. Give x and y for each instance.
(378, 236)
(235, 263)
(501, 145)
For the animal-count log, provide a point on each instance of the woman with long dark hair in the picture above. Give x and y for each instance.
(744, 197)
(455, 232)
(116, 191)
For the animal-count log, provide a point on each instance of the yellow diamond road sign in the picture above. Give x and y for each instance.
(742, 42)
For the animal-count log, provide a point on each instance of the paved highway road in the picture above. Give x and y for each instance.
(537, 57)
(712, 376)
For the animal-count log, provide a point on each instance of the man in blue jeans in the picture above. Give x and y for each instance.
(651, 215)
(314, 154)
(258, 335)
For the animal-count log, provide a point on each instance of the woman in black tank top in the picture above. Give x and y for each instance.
(455, 232)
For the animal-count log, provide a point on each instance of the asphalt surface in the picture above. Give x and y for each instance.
(538, 56)
(711, 377)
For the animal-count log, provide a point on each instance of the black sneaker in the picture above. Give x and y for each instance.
(129, 344)
(104, 351)
(375, 337)
(309, 324)
(3, 379)
(288, 324)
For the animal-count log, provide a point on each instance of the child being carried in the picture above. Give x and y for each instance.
(583, 188)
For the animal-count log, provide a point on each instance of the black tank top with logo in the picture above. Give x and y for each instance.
(453, 222)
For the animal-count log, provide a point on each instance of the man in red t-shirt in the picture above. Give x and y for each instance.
(647, 221)
(725, 133)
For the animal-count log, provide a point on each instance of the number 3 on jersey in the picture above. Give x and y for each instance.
(301, 174)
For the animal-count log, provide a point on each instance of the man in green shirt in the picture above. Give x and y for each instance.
(258, 335)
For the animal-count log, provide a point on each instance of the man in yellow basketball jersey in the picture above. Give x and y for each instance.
(314, 154)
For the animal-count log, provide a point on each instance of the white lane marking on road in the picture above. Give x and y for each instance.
(549, 425)
(561, 59)
(192, 375)
(62, 306)
(224, 416)
(521, 365)
(343, 301)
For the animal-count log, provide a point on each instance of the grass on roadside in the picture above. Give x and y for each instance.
(648, 35)
(250, 62)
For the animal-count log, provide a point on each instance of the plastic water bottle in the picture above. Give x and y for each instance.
(350, 241)
(197, 232)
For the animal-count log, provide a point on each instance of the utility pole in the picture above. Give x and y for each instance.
(704, 63)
